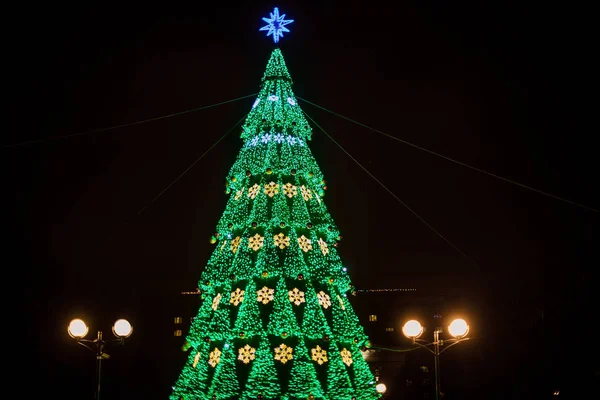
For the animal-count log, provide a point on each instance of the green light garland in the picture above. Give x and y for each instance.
(275, 321)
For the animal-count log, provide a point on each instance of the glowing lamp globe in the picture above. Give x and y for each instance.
(381, 388)
(458, 328)
(122, 328)
(77, 328)
(412, 329)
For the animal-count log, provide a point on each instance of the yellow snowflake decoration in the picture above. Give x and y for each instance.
(306, 193)
(214, 358)
(237, 297)
(238, 194)
(296, 296)
(253, 191)
(289, 190)
(324, 299)
(341, 302)
(271, 189)
(281, 241)
(216, 301)
(256, 242)
(323, 246)
(305, 243)
(235, 243)
(283, 353)
(196, 359)
(346, 357)
(265, 295)
(319, 355)
(247, 354)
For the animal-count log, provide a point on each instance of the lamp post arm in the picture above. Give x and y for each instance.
(454, 344)
(424, 346)
(85, 344)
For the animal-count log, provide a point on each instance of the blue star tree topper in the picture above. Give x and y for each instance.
(276, 25)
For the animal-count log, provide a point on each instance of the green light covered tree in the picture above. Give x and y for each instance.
(275, 322)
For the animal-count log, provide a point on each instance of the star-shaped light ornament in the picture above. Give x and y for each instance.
(216, 301)
(271, 189)
(305, 243)
(196, 359)
(256, 242)
(289, 190)
(324, 299)
(323, 246)
(276, 25)
(247, 354)
(253, 191)
(283, 353)
(235, 243)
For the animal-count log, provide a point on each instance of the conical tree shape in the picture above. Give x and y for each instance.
(275, 281)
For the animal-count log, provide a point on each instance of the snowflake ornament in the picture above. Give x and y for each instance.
(196, 359)
(235, 243)
(237, 297)
(265, 295)
(276, 25)
(281, 241)
(324, 299)
(246, 354)
(216, 301)
(289, 190)
(319, 355)
(278, 138)
(323, 246)
(256, 242)
(253, 191)
(341, 302)
(306, 193)
(214, 358)
(283, 353)
(346, 357)
(305, 243)
(271, 189)
(238, 194)
(296, 296)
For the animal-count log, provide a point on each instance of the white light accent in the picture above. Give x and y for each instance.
(291, 140)
(266, 137)
(254, 141)
(278, 138)
(255, 103)
(291, 101)
(273, 97)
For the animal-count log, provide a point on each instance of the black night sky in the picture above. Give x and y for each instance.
(501, 88)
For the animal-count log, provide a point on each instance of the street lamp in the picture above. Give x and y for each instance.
(78, 330)
(458, 329)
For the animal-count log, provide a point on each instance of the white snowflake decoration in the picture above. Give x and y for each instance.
(324, 299)
(273, 97)
(289, 190)
(246, 354)
(319, 355)
(291, 101)
(265, 295)
(237, 297)
(346, 357)
(278, 138)
(254, 141)
(283, 353)
(235, 243)
(291, 140)
(341, 302)
(266, 137)
(281, 241)
(256, 242)
(296, 296)
(214, 358)
(306, 193)
(216, 301)
(253, 191)
(305, 243)
(271, 189)
(238, 194)
(323, 246)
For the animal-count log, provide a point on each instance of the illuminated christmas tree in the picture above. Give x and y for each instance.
(275, 321)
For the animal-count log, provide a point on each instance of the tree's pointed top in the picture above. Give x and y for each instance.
(276, 68)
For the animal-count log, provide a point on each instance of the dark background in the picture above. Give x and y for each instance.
(501, 87)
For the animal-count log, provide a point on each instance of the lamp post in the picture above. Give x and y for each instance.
(457, 328)
(78, 330)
